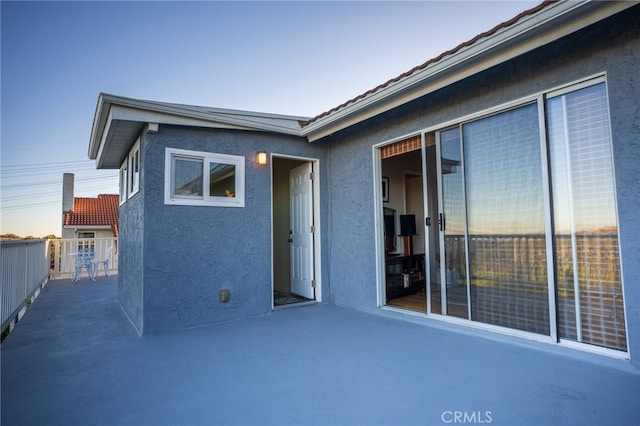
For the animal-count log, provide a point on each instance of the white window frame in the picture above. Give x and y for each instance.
(207, 158)
(134, 170)
(124, 178)
(83, 236)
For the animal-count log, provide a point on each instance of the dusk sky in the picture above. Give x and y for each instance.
(297, 58)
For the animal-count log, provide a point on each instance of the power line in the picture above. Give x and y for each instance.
(57, 182)
(30, 205)
(10, 166)
(44, 194)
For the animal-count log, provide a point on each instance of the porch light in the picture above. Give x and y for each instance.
(261, 158)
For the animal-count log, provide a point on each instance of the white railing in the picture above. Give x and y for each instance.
(62, 255)
(24, 272)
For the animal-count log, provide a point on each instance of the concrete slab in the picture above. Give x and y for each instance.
(75, 359)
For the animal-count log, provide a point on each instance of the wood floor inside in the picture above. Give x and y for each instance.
(418, 302)
(413, 302)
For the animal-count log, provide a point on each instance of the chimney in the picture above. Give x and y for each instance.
(67, 192)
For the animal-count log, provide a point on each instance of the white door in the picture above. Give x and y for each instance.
(302, 232)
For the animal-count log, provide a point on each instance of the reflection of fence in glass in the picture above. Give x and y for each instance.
(600, 286)
(509, 283)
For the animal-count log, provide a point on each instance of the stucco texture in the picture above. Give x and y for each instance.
(191, 253)
(611, 47)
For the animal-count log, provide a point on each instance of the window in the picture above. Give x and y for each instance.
(203, 179)
(134, 169)
(123, 181)
(86, 240)
(130, 174)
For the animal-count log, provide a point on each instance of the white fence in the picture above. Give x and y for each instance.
(24, 272)
(62, 255)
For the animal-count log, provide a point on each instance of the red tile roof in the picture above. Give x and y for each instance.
(432, 61)
(101, 211)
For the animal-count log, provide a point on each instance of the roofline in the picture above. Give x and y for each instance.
(529, 30)
(112, 107)
(102, 227)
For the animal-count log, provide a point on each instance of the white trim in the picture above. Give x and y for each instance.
(539, 99)
(207, 158)
(378, 220)
(118, 120)
(317, 222)
(516, 103)
(530, 32)
(99, 227)
(133, 180)
(519, 334)
(123, 179)
(563, 89)
(548, 218)
(586, 347)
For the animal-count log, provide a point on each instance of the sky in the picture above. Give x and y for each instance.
(297, 58)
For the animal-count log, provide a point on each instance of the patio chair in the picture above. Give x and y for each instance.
(104, 263)
(84, 259)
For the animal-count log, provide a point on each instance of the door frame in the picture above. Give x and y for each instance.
(379, 216)
(315, 201)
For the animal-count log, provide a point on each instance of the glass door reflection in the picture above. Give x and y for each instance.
(452, 257)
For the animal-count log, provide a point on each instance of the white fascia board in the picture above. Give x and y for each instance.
(87, 227)
(112, 110)
(148, 116)
(210, 117)
(99, 121)
(555, 21)
(104, 140)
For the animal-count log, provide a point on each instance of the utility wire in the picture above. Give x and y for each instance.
(44, 194)
(56, 182)
(48, 203)
(47, 164)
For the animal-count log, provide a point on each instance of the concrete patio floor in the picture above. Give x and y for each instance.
(75, 360)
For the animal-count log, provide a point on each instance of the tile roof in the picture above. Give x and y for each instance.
(101, 211)
(404, 75)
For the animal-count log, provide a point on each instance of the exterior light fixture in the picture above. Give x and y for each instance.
(261, 158)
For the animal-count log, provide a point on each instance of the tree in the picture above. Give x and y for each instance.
(10, 237)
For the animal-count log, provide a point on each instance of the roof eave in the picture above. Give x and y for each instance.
(552, 22)
(115, 113)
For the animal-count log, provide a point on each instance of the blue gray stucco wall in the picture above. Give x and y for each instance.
(610, 47)
(131, 256)
(190, 253)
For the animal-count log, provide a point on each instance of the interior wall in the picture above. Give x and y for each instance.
(394, 168)
(281, 223)
(414, 204)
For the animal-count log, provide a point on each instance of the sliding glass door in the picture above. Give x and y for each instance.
(590, 307)
(528, 236)
(492, 221)
(506, 226)
(452, 274)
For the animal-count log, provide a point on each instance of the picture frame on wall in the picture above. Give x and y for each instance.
(385, 189)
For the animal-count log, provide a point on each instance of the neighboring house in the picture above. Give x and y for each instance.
(84, 217)
(495, 186)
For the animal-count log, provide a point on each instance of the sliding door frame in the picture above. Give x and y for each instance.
(539, 99)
